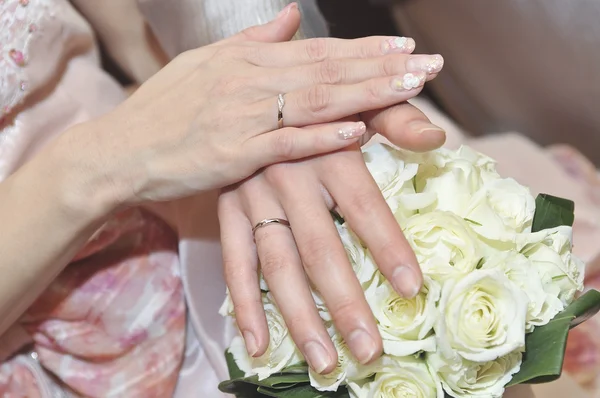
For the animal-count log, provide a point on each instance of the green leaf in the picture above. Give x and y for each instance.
(545, 346)
(305, 391)
(551, 212)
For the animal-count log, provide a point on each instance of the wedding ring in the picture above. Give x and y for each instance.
(280, 105)
(268, 221)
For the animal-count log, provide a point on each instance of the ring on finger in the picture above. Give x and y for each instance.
(269, 221)
(280, 105)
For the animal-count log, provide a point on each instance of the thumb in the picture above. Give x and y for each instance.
(282, 28)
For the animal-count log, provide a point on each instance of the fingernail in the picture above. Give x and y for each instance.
(251, 345)
(286, 10)
(399, 44)
(425, 63)
(405, 282)
(362, 345)
(420, 127)
(352, 130)
(409, 81)
(317, 356)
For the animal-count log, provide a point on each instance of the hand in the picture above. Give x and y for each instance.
(208, 119)
(303, 192)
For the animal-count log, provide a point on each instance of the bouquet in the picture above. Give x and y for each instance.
(496, 306)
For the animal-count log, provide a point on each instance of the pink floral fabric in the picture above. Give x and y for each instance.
(112, 324)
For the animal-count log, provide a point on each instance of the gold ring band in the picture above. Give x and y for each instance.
(280, 105)
(268, 221)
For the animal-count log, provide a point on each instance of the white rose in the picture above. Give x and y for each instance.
(463, 378)
(405, 325)
(501, 208)
(519, 269)
(549, 251)
(394, 170)
(359, 258)
(443, 243)
(282, 351)
(482, 316)
(404, 377)
(454, 176)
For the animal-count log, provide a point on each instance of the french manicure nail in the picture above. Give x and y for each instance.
(420, 127)
(409, 81)
(352, 130)
(317, 356)
(286, 10)
(399, 45)
(405, 282)
(362, 346)
(251, 345)
(425, 63)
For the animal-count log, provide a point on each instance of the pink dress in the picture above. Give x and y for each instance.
(113, 323)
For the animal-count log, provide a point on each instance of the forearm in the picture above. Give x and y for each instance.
(49, 208)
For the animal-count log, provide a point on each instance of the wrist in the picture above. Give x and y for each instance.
(78, 166)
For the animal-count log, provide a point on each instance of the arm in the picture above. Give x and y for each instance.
(49, 208)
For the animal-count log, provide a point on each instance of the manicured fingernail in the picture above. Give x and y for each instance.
(362, 346)
(398, 45)
(405, 282)
(425, 63)
(352, 130)
(409, 81)
(251, 345)
(317, 356)
(420, 127)
(287, 9)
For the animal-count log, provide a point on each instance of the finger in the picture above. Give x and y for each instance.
(292, 143)
(281, 29)
(326, 262)
(405, 126)
(240, 264)
(283, 272)
(316, 50)
(326, 103)
(350, 71)
(369, 216)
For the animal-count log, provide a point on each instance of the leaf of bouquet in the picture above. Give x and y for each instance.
(545, 346)
(551, 211)
(304, 391)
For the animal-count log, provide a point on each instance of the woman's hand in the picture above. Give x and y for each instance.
(304, 192)
(209, 118)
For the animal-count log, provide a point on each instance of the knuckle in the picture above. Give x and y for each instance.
(362, 203)
(316, 49)
(318, 98)
(331, 72)
(317, 251)
(283, 145)
(389, 66)
(226, 85)
(372, 91)
(273, 262)
(344, 308)
(245, 307)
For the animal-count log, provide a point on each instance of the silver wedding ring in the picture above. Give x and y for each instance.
(269, 221)
(280, 105)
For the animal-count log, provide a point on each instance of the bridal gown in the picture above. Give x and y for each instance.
(135, 314)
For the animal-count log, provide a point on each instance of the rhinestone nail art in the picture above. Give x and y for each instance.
(399, 44)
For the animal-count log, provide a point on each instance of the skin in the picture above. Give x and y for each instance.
(204, 121)
(303, 192)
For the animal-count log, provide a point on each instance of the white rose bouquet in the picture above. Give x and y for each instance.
(495, 308)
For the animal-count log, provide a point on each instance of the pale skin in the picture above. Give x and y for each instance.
(168, 141)
(312, 248)
(303, 192)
